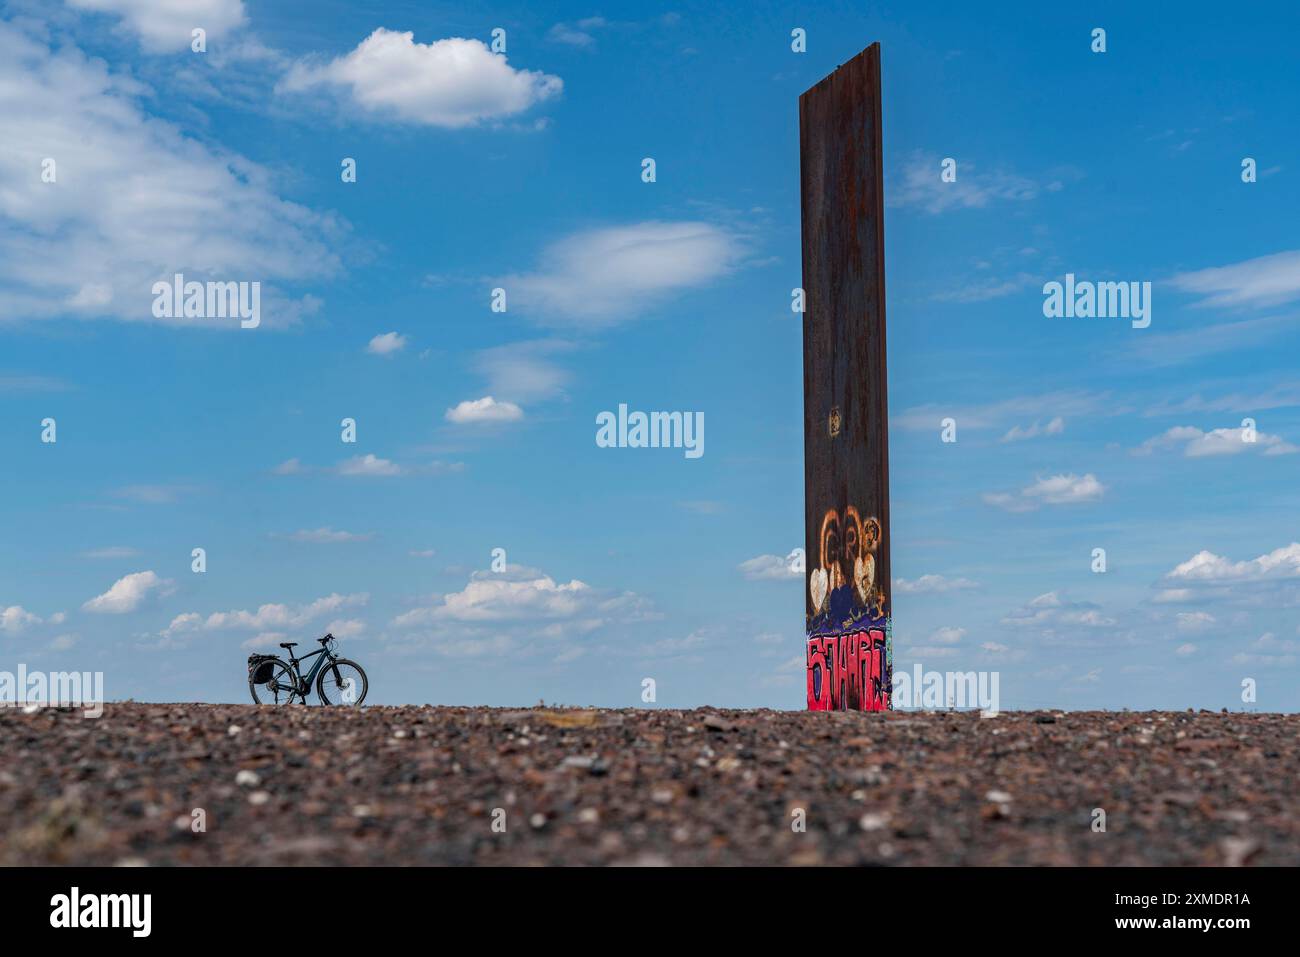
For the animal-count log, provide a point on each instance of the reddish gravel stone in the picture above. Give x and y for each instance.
(583, 786)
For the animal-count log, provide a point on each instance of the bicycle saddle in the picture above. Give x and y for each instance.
(288, 644)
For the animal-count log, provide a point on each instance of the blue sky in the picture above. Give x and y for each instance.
(476, 172)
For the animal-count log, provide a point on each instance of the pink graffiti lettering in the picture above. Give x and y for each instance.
(848, 672)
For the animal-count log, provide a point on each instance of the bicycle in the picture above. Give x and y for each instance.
(338, 680)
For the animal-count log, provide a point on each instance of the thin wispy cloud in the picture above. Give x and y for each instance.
(1268, 649)
(1053, 619)
(932, 584)
(1281, 396)
(1197, 443)
(1159, 348)
(113, 551)
(986, 288)
(770, 568)
(153, 494)
(976, 187)
(164, 26)
(677, 647)
(600, 277)
(32, 383)
(1004, 412)
(326, 536)
(1067, 489)
(940, 643)
(580, 33)
(702, 506)
(1253, 283)
(368, 465)
(1053, 426)
(583, 33)
(525, 371)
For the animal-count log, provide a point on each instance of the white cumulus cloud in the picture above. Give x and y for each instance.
(126, 594)
(449, 83)
(486, 409)
(134, 200)
(498, 598)
(1205, 566)
(524, 599)
(15, 618)
(386, 344)
(368, 465)
(1053, 490)
(276, 617)
(1196, 443)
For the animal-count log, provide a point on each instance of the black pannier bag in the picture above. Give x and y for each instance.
(260, 668)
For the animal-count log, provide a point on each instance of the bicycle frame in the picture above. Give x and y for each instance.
(321, 657)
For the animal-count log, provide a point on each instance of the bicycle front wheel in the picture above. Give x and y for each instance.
(342, 682)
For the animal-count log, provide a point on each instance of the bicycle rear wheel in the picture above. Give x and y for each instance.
(342, 682)
(281, 689)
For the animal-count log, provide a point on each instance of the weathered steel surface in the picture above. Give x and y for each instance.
(846, 438)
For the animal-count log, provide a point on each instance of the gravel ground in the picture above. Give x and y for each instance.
(577, 786)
